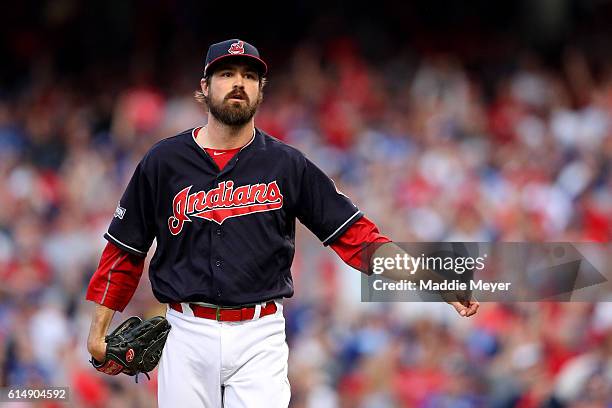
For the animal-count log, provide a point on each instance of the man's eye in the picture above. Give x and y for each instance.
(226, 74)
(250, 76)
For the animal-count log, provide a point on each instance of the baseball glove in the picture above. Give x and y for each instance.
(134, 347)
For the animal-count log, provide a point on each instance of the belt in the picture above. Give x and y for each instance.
(227, 313)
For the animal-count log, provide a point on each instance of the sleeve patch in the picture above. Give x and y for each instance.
(119, 212)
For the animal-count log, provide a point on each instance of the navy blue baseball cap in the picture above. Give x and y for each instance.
(233, 48)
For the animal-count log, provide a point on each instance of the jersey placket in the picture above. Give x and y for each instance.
(216, 232)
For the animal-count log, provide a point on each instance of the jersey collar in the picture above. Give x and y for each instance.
(256, 140)
(193, 131)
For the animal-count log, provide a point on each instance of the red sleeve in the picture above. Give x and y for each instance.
(116, 279)
(354, 245)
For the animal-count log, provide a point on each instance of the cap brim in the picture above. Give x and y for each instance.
(263, 68)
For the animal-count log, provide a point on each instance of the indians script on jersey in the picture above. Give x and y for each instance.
(223, 202)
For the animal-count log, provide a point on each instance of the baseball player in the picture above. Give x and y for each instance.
(222, 201)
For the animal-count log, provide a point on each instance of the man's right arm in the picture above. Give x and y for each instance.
(111, 288)
(100, 322)
(116, 279)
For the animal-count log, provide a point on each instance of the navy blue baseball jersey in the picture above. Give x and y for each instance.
(225, 237)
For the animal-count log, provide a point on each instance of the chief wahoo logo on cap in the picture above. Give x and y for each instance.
(237, 48)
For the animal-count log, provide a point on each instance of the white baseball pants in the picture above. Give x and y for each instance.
(211, 364)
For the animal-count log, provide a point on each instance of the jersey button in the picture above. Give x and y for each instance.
(218, 231)
(218, 263)
(218, 293)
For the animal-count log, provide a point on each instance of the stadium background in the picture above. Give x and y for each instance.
(442, 120)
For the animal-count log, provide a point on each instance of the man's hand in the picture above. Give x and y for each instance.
(465, 307)
(135, 346)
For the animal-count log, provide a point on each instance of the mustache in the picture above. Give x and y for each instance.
(238, 94)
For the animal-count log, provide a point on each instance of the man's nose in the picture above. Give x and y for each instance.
(238, 81)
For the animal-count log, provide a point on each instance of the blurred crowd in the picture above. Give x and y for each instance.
(426, 147)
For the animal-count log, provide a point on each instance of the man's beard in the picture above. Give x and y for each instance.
(231, 113)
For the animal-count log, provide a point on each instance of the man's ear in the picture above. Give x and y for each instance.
(204, 86)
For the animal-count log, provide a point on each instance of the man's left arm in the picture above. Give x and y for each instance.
(336, 221)
(362, 241)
